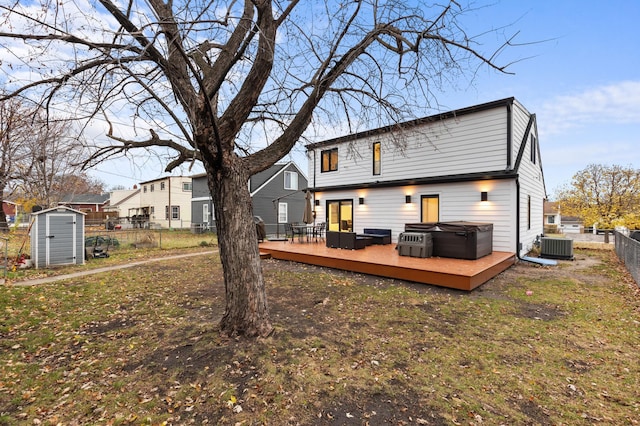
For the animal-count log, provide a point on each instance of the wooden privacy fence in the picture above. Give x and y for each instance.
(628, 251)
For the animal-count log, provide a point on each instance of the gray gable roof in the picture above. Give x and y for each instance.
(261, 178)
(85, 198)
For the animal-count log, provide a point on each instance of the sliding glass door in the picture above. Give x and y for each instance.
(340, 215)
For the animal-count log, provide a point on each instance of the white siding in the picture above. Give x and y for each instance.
(531, 185)
(386, 207)
(467, 144)
(471, 143)
(172, 194)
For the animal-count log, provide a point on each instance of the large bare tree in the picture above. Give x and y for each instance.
(235, 85)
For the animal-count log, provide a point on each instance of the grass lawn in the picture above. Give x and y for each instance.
(534, 346)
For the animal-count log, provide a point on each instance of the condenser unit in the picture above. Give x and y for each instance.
(556, 248)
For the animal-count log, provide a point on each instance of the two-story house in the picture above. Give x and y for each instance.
(477, 164)
(165, 202)
(123, 204)
(277, 197)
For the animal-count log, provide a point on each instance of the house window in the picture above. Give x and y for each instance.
(166, 212)
(534, 149)
(283, 214)
(376, 158)
(551, 220)
(430, 205)
(329, 160)
(175, 212)
(291, 181)
(186, 186)
(205, 213)
(529, 212)
(152, 212)
(144, 188)
(151, 187)
(162, 186)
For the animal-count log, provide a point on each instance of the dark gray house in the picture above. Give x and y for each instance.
(278, 197)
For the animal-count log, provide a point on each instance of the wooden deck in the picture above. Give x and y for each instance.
(384, 261)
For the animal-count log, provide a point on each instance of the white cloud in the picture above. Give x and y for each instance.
(617, 103)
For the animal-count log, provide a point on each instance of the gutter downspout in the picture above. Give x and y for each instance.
(518, 218)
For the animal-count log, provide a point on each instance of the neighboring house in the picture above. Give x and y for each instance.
(277, 197)
(552, 218)
(93, 205)
(571, 225)
(85, 203)
(477, 164)
(165, 202)
(202, 216)
(10, 210)
(123, 204)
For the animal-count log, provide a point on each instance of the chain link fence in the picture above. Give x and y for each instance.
(100, 242)
(628, 251)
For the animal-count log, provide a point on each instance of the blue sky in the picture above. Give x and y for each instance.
(579, 73)
(582, 80)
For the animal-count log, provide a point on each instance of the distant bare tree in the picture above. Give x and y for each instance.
(55, 158)
(235, 84)
(15, 130)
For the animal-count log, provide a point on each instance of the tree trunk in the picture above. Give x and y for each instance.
(4, 226)
(246, 310)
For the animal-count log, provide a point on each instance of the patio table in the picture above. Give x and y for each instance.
(303, 231)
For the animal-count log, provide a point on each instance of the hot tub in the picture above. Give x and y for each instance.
(458, 240)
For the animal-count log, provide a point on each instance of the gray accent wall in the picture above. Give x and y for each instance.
(267, 191)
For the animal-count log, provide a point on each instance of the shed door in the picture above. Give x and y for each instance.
(61, 239)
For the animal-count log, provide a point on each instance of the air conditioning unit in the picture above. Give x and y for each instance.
(556, 248)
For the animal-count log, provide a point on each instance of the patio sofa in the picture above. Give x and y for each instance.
(346, 240)
(378, 236)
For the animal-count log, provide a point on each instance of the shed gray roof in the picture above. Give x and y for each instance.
(57, 209)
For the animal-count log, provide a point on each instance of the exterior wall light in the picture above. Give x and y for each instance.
(484, 196)
(317, 202)
(407, 199)
(361, 200)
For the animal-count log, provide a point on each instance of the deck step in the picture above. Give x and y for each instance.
(265, 255)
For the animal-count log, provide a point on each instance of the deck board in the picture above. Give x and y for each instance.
(384, 261)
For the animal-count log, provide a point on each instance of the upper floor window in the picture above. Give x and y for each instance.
(329, 160)
(161, 186)
(534, 149)
(186, 186)
(144, 188)
(377, 156)
(291, 181)
(151, 187)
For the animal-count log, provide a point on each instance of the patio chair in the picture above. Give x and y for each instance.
(288, 231)
(294, 230)
(319, 230)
